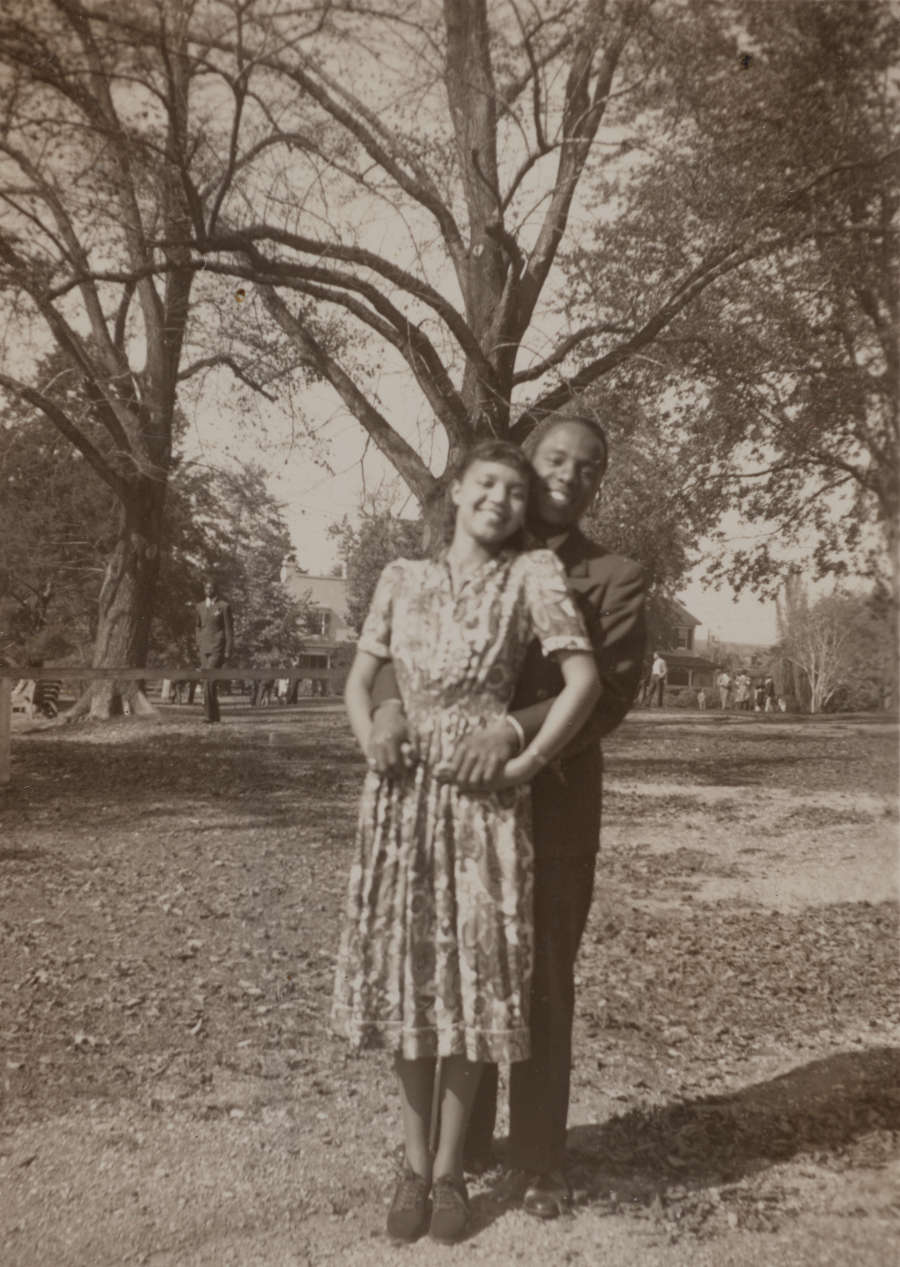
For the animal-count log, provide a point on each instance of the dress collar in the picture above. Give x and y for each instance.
(490, 565)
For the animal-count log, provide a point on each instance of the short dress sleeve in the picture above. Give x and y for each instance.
(555, 618)
(375, 635)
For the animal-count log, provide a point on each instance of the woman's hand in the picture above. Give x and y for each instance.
(388, 749)
(516, 771)
(480, 759)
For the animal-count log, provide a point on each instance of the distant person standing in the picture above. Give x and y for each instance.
(769, 691)
(723, 682)
(742, 691)
(701, 700)
(215, 642)
(659, 671)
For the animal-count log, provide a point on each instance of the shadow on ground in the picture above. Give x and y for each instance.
(840, 1111)
(131, 768)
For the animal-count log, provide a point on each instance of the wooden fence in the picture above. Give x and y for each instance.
(10, 674)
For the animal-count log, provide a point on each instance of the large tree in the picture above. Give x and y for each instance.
(783, 383)
(103, 108)
(57, 525)
(86, 187)
(416, 171)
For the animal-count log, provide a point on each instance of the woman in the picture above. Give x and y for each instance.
(436, 955)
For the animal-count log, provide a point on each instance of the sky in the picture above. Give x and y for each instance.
(727, 617)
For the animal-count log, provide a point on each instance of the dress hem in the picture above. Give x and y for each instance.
(505, 1047)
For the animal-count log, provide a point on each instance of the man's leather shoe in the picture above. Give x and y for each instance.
(547, 1196)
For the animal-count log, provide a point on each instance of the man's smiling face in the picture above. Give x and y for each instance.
(568, 462)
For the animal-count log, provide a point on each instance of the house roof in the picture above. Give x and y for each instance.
(681, 615)
(687, 660)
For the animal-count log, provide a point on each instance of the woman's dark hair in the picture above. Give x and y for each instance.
(494, 451)
(502, 451)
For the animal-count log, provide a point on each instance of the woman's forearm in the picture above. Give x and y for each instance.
(567, 714)
(359, 709)
(358, 696)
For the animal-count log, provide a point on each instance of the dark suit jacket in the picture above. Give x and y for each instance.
(566, 797)
(214, 629)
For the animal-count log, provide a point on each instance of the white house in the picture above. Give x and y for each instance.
(326, 646)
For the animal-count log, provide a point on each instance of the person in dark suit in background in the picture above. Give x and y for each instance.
(569, 454)
(215, 641)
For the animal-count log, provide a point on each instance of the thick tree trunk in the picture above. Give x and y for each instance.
(893, 544)
(125, 606)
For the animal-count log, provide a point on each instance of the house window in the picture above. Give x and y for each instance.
(320, 622)
(311, 660)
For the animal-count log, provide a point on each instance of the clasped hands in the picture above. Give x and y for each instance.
(484, 761)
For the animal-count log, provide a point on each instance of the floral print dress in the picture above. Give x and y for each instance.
(437, 947)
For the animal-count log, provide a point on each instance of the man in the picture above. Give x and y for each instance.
(569, 455)
(769, 693)
(742, 691)
(723, 682)
(215, 642)
(658, 674)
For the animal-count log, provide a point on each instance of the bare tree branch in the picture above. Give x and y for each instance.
(567, 345)
(392, 445)
(61, 421)
(223, 359)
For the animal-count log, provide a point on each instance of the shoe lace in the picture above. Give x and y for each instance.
(448, 1194)
(410, 1191)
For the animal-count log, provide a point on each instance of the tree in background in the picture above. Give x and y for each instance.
(432, 171)
(57, 527)
(102, 116)
(838, 646)
(84, 190)
(57, 521)
(366, 547)
(785, 383)
(246, 540)
(649, 507)
(416, 175)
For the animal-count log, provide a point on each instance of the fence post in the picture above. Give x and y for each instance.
(5, 729)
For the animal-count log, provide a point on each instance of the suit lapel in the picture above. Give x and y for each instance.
(573, 554)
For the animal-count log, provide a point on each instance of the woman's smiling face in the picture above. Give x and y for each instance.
(490, 501)
(568, 462)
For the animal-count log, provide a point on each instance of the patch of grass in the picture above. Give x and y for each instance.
(815, 816)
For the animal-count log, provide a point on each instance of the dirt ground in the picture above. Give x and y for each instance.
(170, 898)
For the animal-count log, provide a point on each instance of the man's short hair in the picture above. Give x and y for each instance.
(582, 414)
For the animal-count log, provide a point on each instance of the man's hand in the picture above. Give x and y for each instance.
(389, 751)
(477, 764)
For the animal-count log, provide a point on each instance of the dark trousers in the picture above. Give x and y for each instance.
(211, 660)
(539, 1086)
